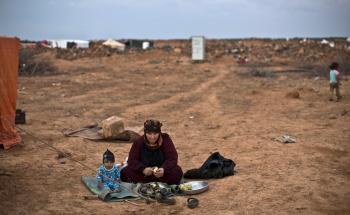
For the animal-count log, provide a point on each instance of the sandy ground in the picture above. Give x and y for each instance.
(208, 107)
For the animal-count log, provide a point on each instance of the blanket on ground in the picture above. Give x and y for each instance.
(105, 195)
(91, 132)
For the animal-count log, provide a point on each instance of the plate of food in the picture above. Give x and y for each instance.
(194, 187)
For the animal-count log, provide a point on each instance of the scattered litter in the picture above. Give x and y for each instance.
(192, 202)
(56, 84)
(242, 60)
(5, 174)
(234, 51)
(285, 139)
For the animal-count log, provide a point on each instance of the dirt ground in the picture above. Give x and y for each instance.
(218, 105)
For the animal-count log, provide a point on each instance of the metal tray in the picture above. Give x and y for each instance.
(197, 187)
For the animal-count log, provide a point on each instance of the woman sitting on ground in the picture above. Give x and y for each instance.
(152, 158)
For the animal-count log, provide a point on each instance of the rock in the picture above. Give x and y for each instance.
(277, 48)
(254, 92)
(62, 160)
(111, 127)
(177, 50)
(173, 211)
(63, 154)
(301, 51)
(344, 112)
(293, 94)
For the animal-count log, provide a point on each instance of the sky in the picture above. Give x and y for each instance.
(173, 19)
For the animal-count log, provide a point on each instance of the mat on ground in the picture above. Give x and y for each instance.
(105, 195)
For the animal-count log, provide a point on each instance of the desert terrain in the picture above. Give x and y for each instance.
(226, 104)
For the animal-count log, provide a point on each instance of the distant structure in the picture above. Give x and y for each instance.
(198, 48)
(63, 44)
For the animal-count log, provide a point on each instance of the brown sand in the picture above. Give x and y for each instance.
(208, 107)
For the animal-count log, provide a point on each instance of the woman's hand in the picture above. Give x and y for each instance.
(159, 173)
(148, 171)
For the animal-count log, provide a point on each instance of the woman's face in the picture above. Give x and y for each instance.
(152, 137)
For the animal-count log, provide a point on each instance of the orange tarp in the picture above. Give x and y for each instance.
(9, 61)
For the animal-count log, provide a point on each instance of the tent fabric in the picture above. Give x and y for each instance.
(9, 61)
(91, 132)
(114, 44)
(64, 43)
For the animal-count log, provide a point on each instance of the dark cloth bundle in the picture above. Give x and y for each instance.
(216, 166)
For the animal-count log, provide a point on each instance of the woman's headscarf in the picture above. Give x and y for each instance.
(152, 125)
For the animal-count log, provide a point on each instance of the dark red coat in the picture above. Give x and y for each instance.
(167, 148)
(133, 172)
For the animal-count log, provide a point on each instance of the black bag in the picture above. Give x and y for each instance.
(216, 166)
(20, 117)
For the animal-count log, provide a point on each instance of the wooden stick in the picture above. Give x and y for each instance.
(132, 202)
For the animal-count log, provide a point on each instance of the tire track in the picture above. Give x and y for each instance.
(162, 104)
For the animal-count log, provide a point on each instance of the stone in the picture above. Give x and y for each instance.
(177, 50)
(111, 127)
(293, 94)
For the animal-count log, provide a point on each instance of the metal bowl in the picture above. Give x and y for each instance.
(197, 187)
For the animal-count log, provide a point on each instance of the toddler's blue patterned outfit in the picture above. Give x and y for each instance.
(108, 176)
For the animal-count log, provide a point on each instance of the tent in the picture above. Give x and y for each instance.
(9, 61)
(139, 44)
(64, 43)
(114, 44)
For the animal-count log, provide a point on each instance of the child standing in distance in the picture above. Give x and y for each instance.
(334, 81)
(108, 174)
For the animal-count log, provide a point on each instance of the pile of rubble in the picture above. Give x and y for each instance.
(259, 52)
(96, 49)
(269, 51)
